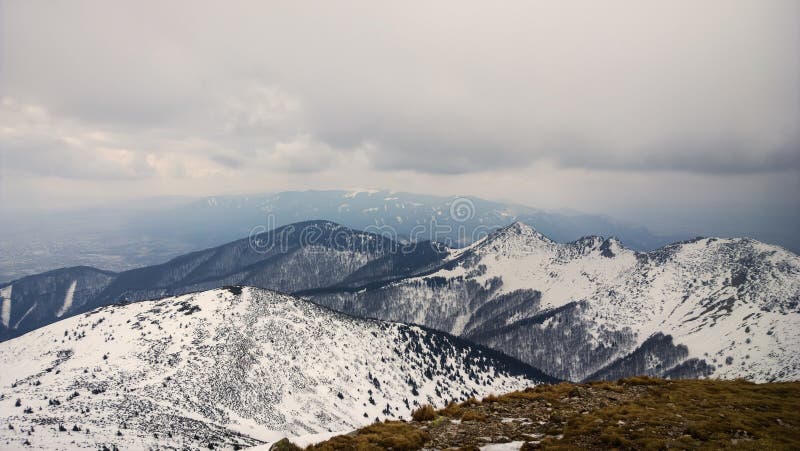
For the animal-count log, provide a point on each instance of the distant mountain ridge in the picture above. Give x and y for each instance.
(123, 237)
(230, 368)
(413, 215)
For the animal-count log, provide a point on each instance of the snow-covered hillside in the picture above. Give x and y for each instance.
(594, 309)
(229, 367)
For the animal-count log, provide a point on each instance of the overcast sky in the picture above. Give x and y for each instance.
(681, 115)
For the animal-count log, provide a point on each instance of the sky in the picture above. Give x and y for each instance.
(679, 115)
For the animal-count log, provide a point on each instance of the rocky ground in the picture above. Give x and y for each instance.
(634, 413)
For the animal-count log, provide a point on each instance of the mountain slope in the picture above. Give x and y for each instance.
(229, 367)
(296, 257)
(595, 309)
(44, 298)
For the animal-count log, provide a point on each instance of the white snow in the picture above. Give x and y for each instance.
(510, 446)
(25, 315)
(67, 299)
(5, 310)
(355, 192)
(260, 364)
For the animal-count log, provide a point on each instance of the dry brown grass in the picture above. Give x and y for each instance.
(453, 410)
(610, 386)
(424, 413)
(641, 380)
(284, 445)
(550, 393)
(693, 414)
(395, 435)
(632, 413)
(473, 415)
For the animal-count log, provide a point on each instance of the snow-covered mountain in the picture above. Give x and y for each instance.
(594, 309)
(229, 367)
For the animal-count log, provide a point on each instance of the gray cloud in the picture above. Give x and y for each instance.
(227, 161)
(623, 86)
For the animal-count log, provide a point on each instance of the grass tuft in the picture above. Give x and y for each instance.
(284, 445)
(453, 410)
(424, 413)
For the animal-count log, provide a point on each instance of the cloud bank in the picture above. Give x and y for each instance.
(147, 98)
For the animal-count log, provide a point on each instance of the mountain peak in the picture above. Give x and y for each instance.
(519, 228)
(515, 237)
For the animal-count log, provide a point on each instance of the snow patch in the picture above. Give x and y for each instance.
(5, 313)
(25, 315)
(67, 299)
(510, 446)
(353, 193)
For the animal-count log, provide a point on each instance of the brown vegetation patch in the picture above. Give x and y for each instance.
(632, 413)
(395, 435)
(424, 413)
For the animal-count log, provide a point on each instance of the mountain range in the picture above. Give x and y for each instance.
(587, 309)
(134, 234)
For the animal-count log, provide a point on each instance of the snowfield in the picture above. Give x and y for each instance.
(231, 368)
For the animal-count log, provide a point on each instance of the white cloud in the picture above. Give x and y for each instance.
(259, 108)
(301, 154)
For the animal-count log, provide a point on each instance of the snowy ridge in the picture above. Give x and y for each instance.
(728, 307)
(228, 367)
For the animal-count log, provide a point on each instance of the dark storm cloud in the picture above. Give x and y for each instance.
(227, 161)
